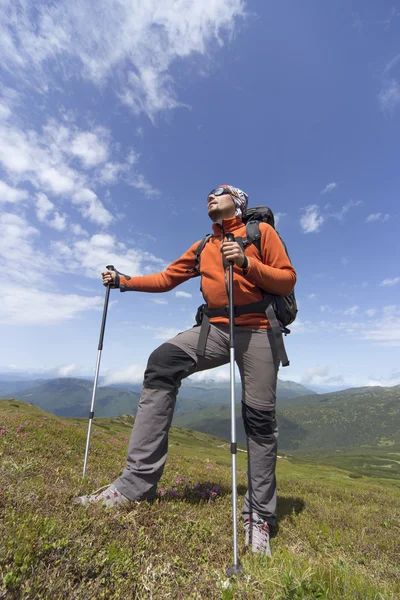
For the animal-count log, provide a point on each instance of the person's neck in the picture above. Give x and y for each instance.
(222, 218)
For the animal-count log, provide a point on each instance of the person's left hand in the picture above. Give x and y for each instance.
(233, 253)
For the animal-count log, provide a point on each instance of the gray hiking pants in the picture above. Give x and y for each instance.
(167, 366)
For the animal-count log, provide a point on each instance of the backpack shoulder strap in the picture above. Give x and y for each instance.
(253, 234)
(199, 250)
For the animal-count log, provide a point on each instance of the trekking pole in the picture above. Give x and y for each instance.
(96, 376)
(235, 568)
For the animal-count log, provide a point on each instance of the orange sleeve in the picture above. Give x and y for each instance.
(177, 272)
(274, 273)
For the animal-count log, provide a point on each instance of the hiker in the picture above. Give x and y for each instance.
(199, 348)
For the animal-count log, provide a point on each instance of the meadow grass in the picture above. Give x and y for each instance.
(337, 536)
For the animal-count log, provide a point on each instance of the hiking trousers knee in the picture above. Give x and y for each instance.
(175, 360)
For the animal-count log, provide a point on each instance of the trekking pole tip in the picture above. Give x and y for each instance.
(234, 570)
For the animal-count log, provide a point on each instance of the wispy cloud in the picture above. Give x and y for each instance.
(314, 216)
(373, 217)
(345, 209)
(278, 216)
(390, 282)
(389, 96)
(312, 220)
(65, 162)
(383, 330)
(329, 188)
(353, 310)
(180, 294)
(135, 43)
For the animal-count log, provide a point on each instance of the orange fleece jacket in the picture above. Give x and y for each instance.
(272, 272)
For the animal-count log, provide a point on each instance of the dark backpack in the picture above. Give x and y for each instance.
(285, 307)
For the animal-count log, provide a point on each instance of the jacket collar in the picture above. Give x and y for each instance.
(228, 226)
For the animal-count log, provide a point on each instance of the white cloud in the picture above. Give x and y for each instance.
(47, 160)
(386, 330)
(10, 194)
(92, 255)
(131, 374)
(390, 282)
(159, 301)
(311, 221)
(91, 207)
(329, 188)
(19, 256)
(373, 217)
(311, 296)
(90, 148)
(371, 312)
(217, 375)
(111, 171)
(33, 306)
(58, 222)
(377, 217)
(78, 230)
(180, 294)
(68, 370)
(319, 372)
(45, 209)
(43, 160)
(133, 42)
(344, 261)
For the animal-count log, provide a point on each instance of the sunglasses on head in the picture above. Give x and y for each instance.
(219, 191)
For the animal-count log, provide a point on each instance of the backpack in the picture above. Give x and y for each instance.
(281, 310)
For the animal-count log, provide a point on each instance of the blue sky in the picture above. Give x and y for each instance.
(116, 120)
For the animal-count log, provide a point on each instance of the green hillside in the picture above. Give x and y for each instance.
(337, 537)
(363, 419)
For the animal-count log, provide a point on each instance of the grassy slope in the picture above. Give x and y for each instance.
(338, 536)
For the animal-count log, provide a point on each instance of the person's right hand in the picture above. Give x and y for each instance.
(109, 277)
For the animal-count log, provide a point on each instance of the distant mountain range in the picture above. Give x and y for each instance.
(308, 422)
(70, 397)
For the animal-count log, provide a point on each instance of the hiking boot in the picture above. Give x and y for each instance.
(257, 535)
(110, 497)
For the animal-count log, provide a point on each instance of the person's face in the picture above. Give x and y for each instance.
(220, 207)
